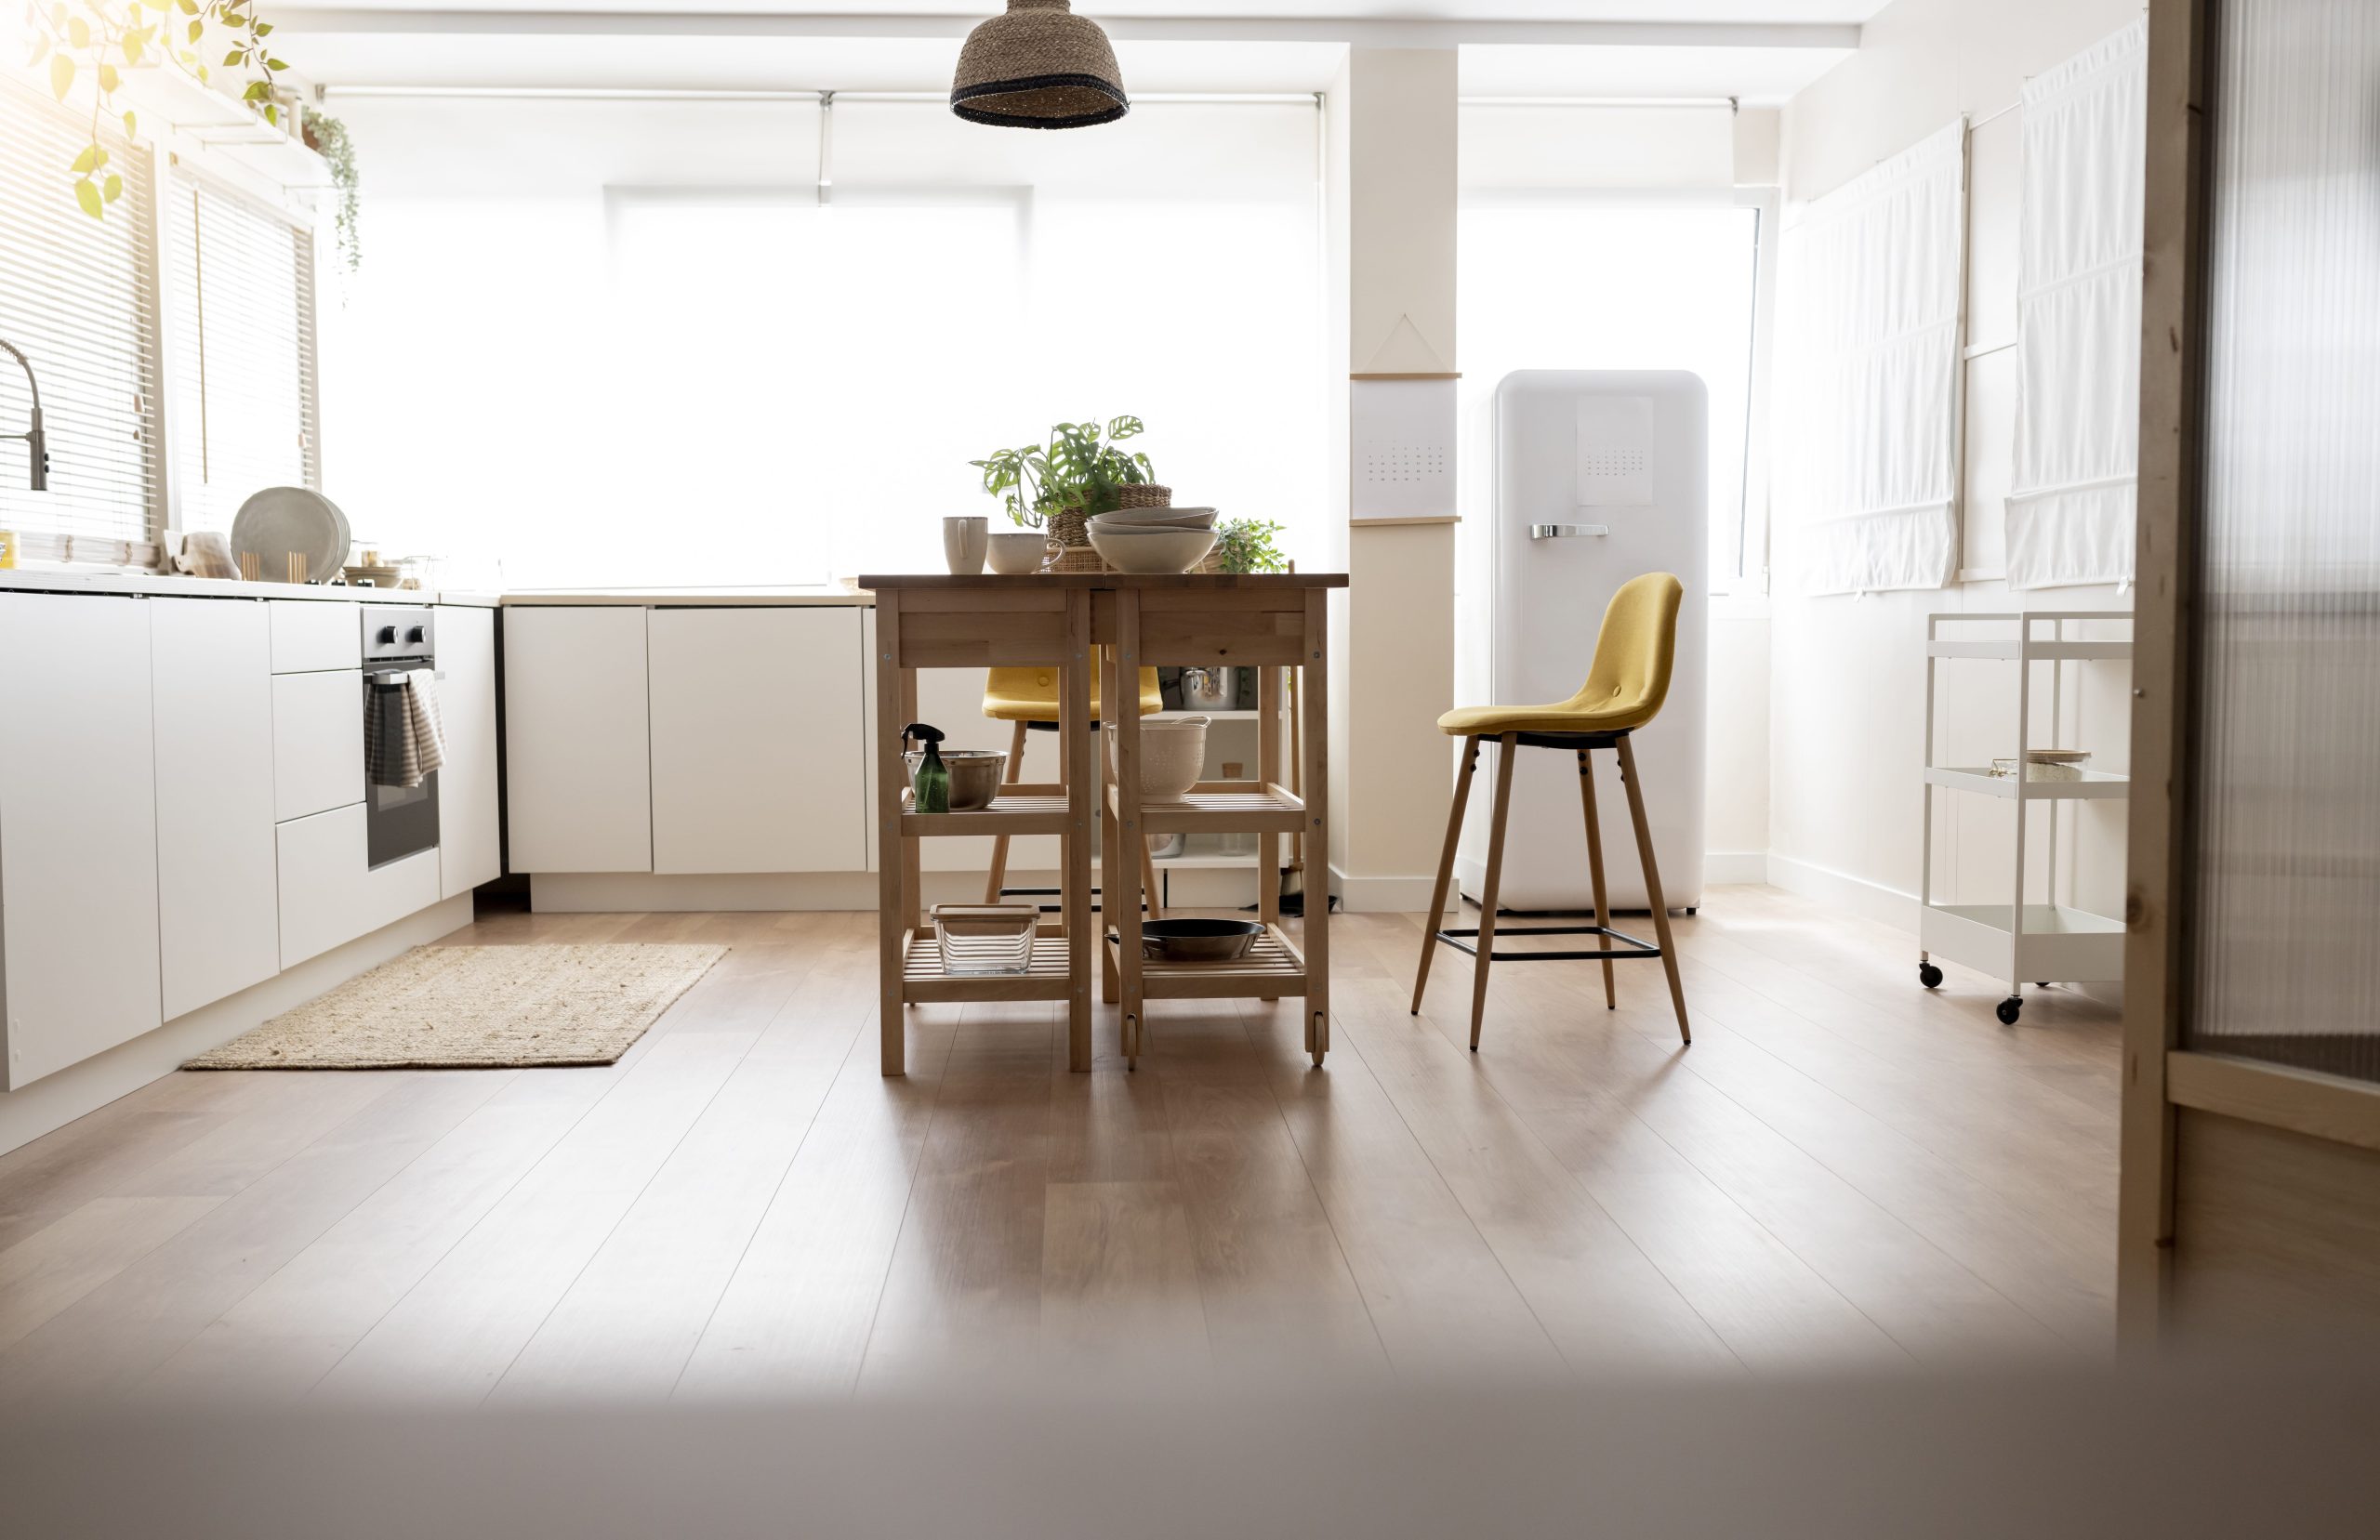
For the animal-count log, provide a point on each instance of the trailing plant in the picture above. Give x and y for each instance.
(1080, 467)
(1246, 545)
(98, 40)
(327, 137)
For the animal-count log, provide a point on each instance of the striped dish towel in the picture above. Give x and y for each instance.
(403, 740)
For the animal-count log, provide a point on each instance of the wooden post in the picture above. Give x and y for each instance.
(1082, 791)
(1313, 695)
(1120, 883)
(892, 929)
(2172, 366)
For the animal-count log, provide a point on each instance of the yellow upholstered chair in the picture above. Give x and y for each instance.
(1029, 698)
(1626, 685)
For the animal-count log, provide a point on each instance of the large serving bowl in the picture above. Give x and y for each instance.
(1173, 754)
(1155, 550)
(1175, 519)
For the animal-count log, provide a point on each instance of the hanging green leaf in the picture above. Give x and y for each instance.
(88, 194)
(109, 79)
(62, 74)
(113, 187)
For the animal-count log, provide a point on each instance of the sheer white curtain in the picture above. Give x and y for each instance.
(671, 365)
(1867, 382)
(2078, 318)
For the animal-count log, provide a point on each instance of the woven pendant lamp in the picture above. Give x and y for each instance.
(1039, 65)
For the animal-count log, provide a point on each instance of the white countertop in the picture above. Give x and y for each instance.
(53, 579)
(764, 596)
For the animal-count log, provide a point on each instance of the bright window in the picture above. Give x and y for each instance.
(1588, 286)
(659, 371)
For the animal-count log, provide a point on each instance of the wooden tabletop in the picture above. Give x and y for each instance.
(873, 581)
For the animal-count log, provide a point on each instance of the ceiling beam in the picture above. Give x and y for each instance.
(1364, 32)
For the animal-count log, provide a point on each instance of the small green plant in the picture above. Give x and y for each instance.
(327, 137)
(101, 39)
(1080, 467)
(1246, 545)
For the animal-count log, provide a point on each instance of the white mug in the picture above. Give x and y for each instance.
(964, 539)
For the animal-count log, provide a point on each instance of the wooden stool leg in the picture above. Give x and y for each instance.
(998, 878)
(1653, 887)
(1507, 752)
(1594, 872)
(1446, 868)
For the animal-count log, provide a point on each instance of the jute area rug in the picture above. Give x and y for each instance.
(440, 1007)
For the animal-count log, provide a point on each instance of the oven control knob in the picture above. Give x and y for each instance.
(388, 636)
(417, 634)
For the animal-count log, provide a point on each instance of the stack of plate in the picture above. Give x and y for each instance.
(1154, 540)
(280, 522)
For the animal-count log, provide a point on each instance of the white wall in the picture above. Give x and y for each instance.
(1847, 690)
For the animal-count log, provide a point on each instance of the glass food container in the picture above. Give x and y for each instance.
(984, 939)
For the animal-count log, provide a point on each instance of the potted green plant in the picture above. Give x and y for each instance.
(1247, 545)
(1059, 484)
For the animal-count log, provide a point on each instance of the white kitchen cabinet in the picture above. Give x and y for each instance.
(313, 636)
(317, 742)
(758, 763)
(577, 742)
(468, 851)
(78, 829)
(329, 894)
(218, 912)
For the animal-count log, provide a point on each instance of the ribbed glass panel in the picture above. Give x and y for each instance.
(243, 352)
(2289, 758)
(76, 297)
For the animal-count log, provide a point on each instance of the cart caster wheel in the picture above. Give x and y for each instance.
(1930, 976)
(2006, 1010)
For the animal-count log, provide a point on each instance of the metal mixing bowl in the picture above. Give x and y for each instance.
(1198, 940)
(975, 775)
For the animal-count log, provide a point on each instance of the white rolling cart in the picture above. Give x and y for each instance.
(2018, 941)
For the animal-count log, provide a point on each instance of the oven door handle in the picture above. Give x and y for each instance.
(390, 677)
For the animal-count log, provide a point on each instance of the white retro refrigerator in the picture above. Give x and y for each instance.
(1598, 476)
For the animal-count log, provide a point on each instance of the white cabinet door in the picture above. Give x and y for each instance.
(757, 750)
(325, 896)
(317, 742)
(78, 829)
(468, 851)
(218, 909)
(578, 795)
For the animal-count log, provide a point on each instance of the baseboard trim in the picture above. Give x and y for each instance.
(745, 893)
(1381, 895)
(58, 1100)
(1870, 901)
(1733, 866)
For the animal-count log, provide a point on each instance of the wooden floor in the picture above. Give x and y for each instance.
(1843, 1172)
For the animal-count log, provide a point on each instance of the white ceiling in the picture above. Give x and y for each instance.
(1595, 48)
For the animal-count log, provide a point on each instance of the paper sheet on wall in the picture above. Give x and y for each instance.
(2078, 318)
(1403, 440)
(1866, 457)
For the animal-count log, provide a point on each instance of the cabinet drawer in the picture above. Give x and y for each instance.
(323, 899)
(313, 636)
(317, 742)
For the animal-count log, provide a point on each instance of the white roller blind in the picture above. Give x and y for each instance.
(2078, 318)
(244, 352)
(1866, 386)
(78, 298)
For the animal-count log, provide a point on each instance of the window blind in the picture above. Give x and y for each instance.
(244, 397)
(77, 296)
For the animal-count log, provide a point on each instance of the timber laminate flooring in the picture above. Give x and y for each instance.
(1844, 1173)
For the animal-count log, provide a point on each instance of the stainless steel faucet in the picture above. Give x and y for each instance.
(33, 437)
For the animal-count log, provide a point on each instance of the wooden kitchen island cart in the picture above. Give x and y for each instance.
(1112, 620)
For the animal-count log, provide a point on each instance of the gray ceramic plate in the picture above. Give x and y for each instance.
(281, 520)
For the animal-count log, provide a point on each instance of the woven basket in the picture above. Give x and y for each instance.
(1143, 495)
(1070, 549)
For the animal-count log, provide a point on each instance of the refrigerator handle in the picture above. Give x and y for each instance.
(1566, 531)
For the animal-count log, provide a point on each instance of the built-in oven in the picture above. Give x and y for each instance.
(399, 642)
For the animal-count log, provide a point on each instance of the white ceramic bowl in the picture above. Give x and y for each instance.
(1173, 754)
(1177, 518)
(1153, 550)
(1013, 552)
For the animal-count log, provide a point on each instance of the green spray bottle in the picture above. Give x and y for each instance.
(931, 782)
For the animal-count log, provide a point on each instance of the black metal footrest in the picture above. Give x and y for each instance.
(1635, 948)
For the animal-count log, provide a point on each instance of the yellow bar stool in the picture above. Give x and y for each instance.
(1624, 690)
(1029, 698)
